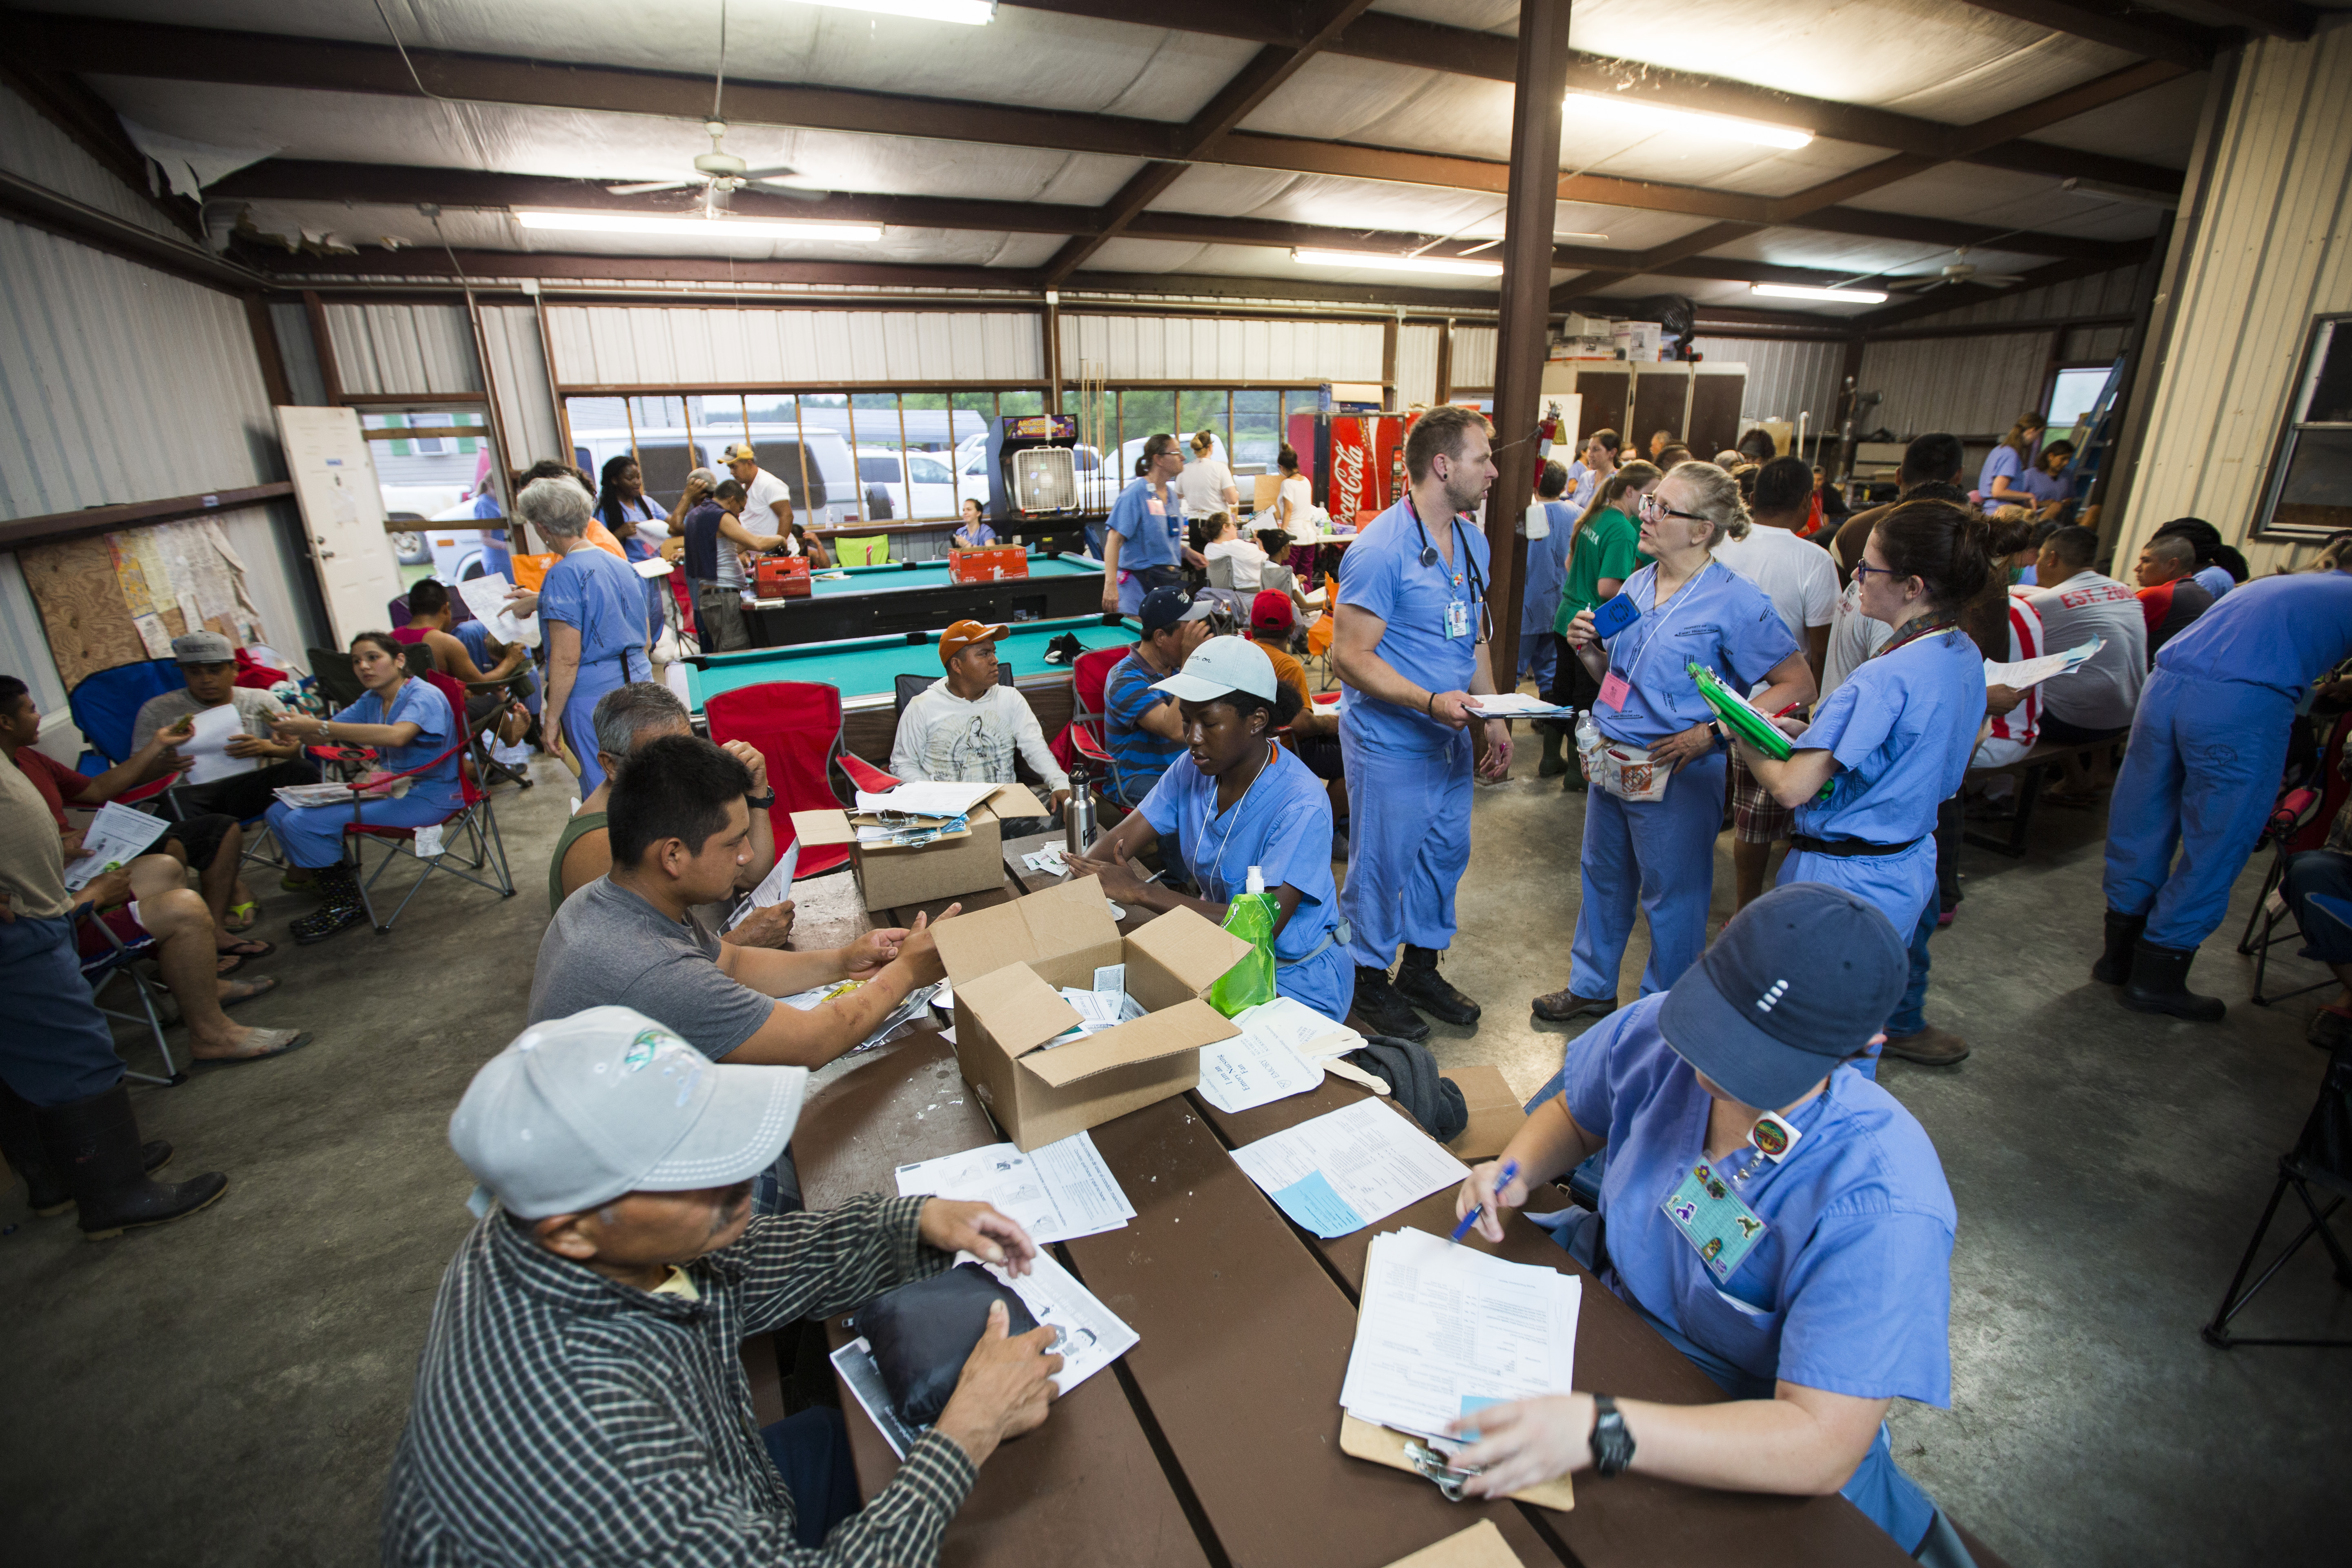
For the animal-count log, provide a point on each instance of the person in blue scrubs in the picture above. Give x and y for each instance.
(1410, 644)
(595, 617)
(1145, 540)
(409, 723)
(1547, 571)
(2001, 480)
(1829, 1303)
(2201, 773)
(1693, 610)
(1243, 801)
(1892, 743)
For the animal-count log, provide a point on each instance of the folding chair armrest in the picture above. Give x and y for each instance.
(864, 775)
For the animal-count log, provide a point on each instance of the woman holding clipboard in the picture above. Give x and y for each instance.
(1892, 743)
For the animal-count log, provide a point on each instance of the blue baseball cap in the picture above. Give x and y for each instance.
(1799, 980)
(1165, 607)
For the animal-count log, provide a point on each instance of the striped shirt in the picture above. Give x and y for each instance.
(564, 1417)
(1138, 755)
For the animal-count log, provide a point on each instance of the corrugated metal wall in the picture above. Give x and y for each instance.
(2271, 254)
(38, 150)
(1224, 350)
(2100, 294)
(291, 324)
(1966, 387)
(1474, 359)
(1417, 362)
(2094, 345)
(1786, 377)
(402, 349)
(519, 372)
(691, 346)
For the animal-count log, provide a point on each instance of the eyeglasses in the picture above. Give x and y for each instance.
(1652, 507)
(1863, 569)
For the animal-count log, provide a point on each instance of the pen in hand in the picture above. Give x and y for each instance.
(1509, 1174)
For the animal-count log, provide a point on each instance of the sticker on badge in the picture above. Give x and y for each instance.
(1457, 619)
(1721, 1228)
(1614, 690)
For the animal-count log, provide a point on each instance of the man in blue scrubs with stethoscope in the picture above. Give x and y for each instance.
(1412, 650)
(1782, 1220)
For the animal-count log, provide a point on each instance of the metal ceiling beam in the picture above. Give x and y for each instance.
(2279, 18)
(1961, 295)
(432, 261)
(30, 203)
(2119, 24)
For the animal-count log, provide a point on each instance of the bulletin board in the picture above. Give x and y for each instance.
(118, 598)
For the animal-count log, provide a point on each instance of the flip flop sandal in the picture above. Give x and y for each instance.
(251, 947)
(241, 917)
(227, 963)
(280, 1042)
(260, 986)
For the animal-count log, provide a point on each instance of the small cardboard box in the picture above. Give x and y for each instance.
(969, 861)
(988, 563)
(781, 578)
(1007, 965)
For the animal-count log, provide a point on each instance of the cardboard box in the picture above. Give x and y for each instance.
(1494, 1114)
(1637, 340)
(1007, 965)
(970, 861)
(781, 578)
(989, 563)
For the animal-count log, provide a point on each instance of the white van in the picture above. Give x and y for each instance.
(826, 491)
(890, 472)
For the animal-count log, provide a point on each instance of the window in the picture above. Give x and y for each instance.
(2310, 492)
(433, 464)
(2073, 393)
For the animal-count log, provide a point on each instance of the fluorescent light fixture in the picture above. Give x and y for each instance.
(730, 227)
(1806, 291)
(1397, 263)
(1723, 127)
(970, 13)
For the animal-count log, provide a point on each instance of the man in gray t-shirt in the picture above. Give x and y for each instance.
(680, 824)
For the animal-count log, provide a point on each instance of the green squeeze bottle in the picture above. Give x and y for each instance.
(1251, 918)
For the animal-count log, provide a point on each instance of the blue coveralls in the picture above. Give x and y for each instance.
(1547, 571)
(312, 835)
(1409, 775)
(2209, 744)
(592, 590)
(1663, 850)
(1149, 533)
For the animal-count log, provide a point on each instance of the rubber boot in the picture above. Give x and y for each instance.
(1554, 763)
(20, 1142)
(2115, 965)
(2159, 984)
(1418, 981)
(340, 907)
(1381, 1010)
(94, 1145)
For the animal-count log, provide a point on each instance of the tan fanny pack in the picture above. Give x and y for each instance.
(1627, 771)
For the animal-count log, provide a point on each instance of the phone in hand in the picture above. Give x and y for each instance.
(1615, 617)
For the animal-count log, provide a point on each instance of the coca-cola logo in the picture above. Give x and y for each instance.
(1346, 479)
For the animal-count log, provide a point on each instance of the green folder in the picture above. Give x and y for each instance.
(1740, 717)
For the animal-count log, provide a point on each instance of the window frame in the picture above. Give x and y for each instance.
(2320, 337)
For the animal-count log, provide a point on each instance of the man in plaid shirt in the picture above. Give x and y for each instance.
(581, 1395)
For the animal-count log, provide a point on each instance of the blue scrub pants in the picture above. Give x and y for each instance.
(1408, 843)
(1325, 982)
(312, 835)
(2200, 775)
(1663, 850)
(580, 710)
(56, 1047)
(1900, 886)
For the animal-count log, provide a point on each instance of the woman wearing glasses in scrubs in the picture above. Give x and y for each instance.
(1692, 610)
(1893, 742)
(1243, 801)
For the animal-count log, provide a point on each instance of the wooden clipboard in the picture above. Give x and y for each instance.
(1363, 1440)
(1480, 1546)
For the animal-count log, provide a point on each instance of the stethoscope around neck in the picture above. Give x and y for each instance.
(1469, 566)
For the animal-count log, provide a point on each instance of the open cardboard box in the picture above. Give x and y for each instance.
(1007, 965)
(968, 861)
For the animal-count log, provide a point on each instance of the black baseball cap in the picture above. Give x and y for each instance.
(1799, 980)
(1164, 607)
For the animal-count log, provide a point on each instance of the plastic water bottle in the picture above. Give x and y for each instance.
(1250, 917)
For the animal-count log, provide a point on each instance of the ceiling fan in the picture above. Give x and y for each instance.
(719, 173)
(1960, 271)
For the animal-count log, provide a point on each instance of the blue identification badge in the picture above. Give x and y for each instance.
(1714, 1220)
(1457, 619)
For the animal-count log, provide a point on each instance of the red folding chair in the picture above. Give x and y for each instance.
(864, 775)
(796, 725)
(473, 818)
(1088, 677)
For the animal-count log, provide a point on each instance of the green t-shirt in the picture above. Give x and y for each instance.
(1606, 546)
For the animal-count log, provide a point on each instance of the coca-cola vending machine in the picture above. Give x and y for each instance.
(1355, 462)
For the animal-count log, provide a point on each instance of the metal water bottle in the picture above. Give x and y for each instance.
(1078, 815)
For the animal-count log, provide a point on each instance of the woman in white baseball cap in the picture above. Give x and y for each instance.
(1245, 802)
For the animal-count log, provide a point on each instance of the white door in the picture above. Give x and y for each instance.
(343, 515)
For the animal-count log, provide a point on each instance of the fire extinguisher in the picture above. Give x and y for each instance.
(1549, 431)
(1396, 470)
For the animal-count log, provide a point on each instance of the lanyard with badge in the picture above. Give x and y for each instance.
(1616, 686)
(1215, 882)
(1710, 1212)
(1457, 611)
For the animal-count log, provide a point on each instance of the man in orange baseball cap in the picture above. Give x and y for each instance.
(968, 726)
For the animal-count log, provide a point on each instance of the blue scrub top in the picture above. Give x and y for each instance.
(1902, 728)
(418, 702)
(2216, 580)
(592, 590)
(2041, 487)
(1547, 570)
(1849, 1289)
(2279, 632)
(1282, 825)
(2002, 460)
(1146, 539)
(1719, 620)
(1382, 572)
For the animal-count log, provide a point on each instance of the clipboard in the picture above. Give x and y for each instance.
(1480, 1546)
(1363, 1440)
(1740, 715)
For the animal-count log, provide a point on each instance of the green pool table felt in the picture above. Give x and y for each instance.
(897, 575)
(868, 668)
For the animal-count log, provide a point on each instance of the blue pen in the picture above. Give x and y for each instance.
(1510, 1173)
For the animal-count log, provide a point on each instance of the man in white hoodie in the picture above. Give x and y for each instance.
(965, 728)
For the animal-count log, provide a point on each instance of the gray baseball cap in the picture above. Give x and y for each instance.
(578, 1111)
(203, 648)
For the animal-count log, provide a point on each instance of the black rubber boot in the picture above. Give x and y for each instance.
(20, 1140)
(2159, 984)
(94, 1145)
(2115, 965)
(339, 909)
(1381, 1010)
(1418, 981)
(1553, 763)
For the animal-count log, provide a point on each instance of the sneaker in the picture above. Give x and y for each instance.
(1419, 983)
(2327, 1028)
(1379, 1010)
(1931, 1047)
(1559, 1006)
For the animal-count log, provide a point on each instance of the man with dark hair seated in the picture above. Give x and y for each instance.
(680, 826)
(429, 620)
(2096, 701)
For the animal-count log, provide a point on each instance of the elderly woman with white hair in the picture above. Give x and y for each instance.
(594, 609)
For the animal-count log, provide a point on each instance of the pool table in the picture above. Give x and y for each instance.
(916, 595)
(865, 669)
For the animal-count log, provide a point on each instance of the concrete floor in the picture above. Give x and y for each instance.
(230, 1389)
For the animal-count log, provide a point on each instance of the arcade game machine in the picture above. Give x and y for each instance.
(1035, 490)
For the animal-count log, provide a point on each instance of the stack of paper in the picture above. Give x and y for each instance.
(1272, 1057)
(115, 836)
(871, 834)
(1516, 705)
(1052, 860)
(926, 797)
(1106, 1006)
(207, 749)
(1445, 1331)
(918, 1002)
(773, 888)
(487, 597)
(1335, 1174)
(2028, 672)
(1060, 1191)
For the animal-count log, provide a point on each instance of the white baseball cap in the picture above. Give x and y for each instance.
(578, 1111)
(1219, 666)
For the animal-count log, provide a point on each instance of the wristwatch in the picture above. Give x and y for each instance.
(1613, 1444)
(761, 802)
